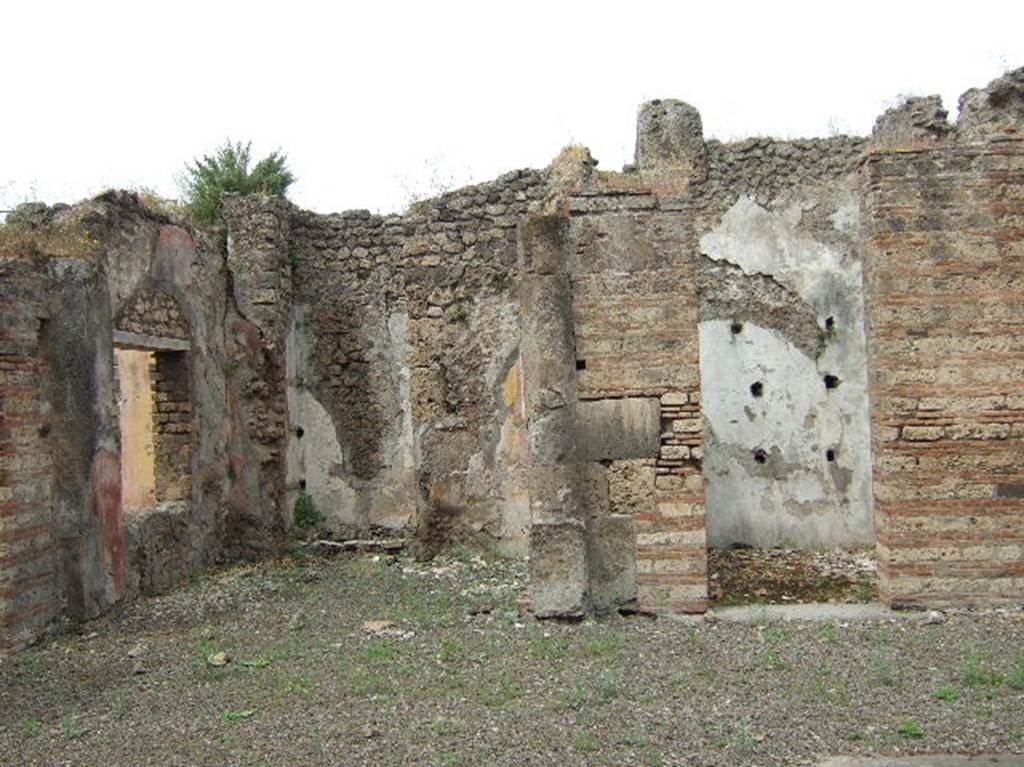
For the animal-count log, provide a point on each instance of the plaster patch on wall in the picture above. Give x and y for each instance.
(314, 455)
(511, 456)
(395, 500)
(787, 443)
(771, 242)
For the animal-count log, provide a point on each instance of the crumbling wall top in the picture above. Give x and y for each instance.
(669, 133)
(997, 109)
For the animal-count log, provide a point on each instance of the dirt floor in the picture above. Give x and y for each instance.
(355, 659)
(791, 576)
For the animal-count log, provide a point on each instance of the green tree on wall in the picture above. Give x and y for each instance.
(227, 170)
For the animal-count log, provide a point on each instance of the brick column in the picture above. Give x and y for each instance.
(671, 540)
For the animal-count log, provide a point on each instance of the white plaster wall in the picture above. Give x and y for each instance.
(796, 497)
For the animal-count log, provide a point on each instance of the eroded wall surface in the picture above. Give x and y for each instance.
(76, 283)
(787, 454)
(403, 386)
(28, 563)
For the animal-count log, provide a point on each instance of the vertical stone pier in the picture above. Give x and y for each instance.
(558, 535)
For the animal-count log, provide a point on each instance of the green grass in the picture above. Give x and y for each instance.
(445, 726)
(586, 743)
(908, 728)
(70, 727)
(549, 648)
(448, 650)
(31, 727)
(778, 634)
(608, 685)
(975, 673)
(1016, 676)
(230, 715)
(774, 661)
(380, 651)
(606, 643)
(503, 689)
(947, 692)
(830, 634)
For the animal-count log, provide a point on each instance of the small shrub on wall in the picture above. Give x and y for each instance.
(306, 514)
(227, 170)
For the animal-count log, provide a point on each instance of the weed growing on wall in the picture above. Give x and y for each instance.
(67, 239)
(227, 170)
(305, 511)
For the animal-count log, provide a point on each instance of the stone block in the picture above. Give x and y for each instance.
(613, 562)
(669, 133)
(555, 494)
(558, 570)
(631, 486)
(612, 429)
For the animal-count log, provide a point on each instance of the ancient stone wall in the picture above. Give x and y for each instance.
(256, 316)
(401, 356)
(75, 283)
(607, 370)
(944, 215)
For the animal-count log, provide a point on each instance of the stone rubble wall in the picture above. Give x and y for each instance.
(153, 313)
(407, 333)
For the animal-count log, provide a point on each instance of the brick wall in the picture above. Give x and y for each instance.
(27, 534)
(172, 426)
(945, 296)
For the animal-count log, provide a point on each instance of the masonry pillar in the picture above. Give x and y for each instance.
(558, 546)
(670, 140)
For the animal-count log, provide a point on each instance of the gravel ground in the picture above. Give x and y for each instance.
(314, 675)
(787, 576)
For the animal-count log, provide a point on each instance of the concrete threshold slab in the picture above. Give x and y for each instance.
(927, 760)
(816, 611)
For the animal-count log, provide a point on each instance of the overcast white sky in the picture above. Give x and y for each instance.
(376, 101)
